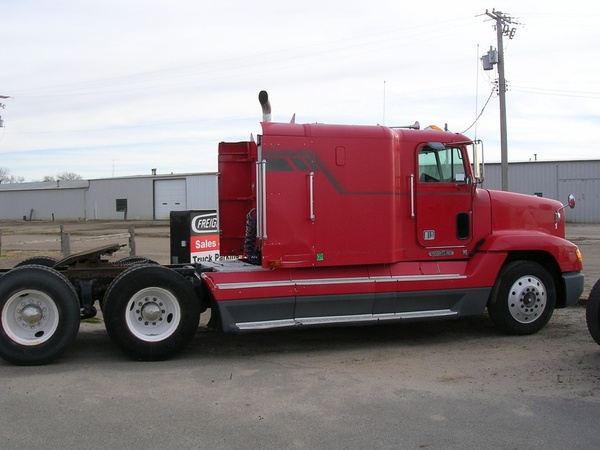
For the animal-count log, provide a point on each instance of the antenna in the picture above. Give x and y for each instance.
(383, 123)
(476, 91)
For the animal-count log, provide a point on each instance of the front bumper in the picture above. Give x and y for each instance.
(573, 283)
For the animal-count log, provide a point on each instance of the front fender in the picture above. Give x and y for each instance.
(565, 253)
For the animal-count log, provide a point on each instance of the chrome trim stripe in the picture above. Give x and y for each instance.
(334, 281)
(418, 314)
(358, 318)
(265, 325)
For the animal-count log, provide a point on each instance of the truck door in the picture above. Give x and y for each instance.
(287, 229)
(444, 198)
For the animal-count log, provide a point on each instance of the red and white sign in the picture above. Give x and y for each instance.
(204, 237)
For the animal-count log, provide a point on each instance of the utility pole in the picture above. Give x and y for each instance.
(503, 28)
(2, 105)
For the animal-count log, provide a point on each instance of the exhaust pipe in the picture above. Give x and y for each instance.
(263, 98)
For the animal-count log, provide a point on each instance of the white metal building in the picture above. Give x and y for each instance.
(135, 198)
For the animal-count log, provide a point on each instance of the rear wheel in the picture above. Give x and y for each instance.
(523, 298)
(592, 312)
(40, 315)
(151, 312)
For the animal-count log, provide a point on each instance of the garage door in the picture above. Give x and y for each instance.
(169, 195)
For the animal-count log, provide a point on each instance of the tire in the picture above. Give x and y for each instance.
(40, 315)
(151, 312)
(523, 298)
(592, 312)
(46, 261)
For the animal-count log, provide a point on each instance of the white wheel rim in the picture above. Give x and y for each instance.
(30, 317)
(527, 299)
(153, 314)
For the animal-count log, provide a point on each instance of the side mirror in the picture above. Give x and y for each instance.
(570, 204)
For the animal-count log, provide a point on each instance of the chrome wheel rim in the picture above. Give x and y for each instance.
(30, 317)
(527, 299)
(153, 314)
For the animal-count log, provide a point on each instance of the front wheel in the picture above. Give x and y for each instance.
(151, 312)
(592, 312)
(523, 298)
(40, 315)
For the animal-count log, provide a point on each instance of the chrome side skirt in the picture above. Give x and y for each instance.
(346, 319)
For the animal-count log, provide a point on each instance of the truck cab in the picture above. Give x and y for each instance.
(353, 195)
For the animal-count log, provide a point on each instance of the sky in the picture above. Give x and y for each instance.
(111, 88)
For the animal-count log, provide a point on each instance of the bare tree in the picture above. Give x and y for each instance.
(65, 176)
(6, 178)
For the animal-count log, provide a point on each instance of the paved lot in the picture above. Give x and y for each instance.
(456, 384)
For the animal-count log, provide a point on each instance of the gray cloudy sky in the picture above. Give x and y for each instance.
(118, 87)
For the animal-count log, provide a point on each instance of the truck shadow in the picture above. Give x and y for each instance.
(93, 344)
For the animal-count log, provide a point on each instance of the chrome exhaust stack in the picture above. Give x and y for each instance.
(263, 98)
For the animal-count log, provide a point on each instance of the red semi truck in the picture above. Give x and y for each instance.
(319, 225)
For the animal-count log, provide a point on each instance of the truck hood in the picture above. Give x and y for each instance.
(512, 211)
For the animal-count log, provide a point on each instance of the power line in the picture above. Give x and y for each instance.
(481, 112)
(554, 92)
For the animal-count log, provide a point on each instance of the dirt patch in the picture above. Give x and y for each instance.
(19, 255)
